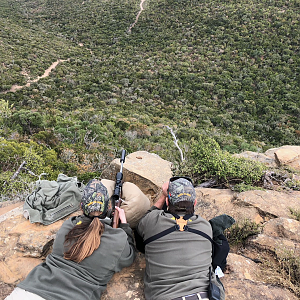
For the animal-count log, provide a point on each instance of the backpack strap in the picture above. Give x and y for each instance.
(219, 251)
(160, 234)
(199, 232)
(181, 225)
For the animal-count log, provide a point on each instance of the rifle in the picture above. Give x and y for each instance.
(116, 197)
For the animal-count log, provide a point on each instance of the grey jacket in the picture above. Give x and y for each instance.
(61, 279)
(177, 264)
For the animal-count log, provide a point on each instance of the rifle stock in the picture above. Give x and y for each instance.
(116, 197)
(115, 221)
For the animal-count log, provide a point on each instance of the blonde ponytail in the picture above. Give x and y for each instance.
(87, 236)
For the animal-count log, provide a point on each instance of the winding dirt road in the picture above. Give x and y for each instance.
(16, 87)
(137, 17)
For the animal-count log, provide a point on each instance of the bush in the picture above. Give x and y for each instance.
(295, 213)
(242, 187)
(5, 110)
(289, 269)
(86, 177)
(11, 154)
(39, 159)
(39, 164)
(10, 188)
(27, 121)
(238, 233)
(205, 160)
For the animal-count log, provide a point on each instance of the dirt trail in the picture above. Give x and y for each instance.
(137, 17)
(16, 87)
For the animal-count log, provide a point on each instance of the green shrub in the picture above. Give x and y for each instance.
(11, 154)
(46, 137)
(290, 269)
(295, 213)
(86, 177)
(39, 159)
(9, 188)
(5, 110)
(293, 184)
(205, 160)
(242, 187)
(38, 164)
(27, 121)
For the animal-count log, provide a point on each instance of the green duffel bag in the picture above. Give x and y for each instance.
(53, 200)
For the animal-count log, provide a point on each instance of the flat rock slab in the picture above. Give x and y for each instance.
(276, 246)
(283, 228)
(271, 203)
(215, 202)
(250, 290)
(241, 267)
(23, 245)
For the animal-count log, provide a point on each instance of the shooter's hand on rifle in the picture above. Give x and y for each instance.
(122, 215)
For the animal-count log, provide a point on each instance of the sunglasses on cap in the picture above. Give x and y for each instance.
(184, 177)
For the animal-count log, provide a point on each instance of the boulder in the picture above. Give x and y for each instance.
(283, 156)
(283, 228)
(147, 170)
(278, 236)
(275, 246)
(268, 160)
(287, 156)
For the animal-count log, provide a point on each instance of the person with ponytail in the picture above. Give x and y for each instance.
(86, 253)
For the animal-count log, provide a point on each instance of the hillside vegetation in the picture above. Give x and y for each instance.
(228, 70)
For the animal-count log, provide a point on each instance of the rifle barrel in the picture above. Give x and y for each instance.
(116, 198)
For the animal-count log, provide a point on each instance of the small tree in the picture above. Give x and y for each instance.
(30, 121)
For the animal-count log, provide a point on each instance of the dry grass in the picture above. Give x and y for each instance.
(295, 214)
(284, 270)
(239, 232)
(280, 269)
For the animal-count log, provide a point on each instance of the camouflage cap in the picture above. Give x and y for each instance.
(181, 189)
(95, 198)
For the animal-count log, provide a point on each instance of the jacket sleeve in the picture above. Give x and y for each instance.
(143, 221)
(128, 254)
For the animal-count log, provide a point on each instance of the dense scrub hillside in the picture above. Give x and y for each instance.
(225, 69)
